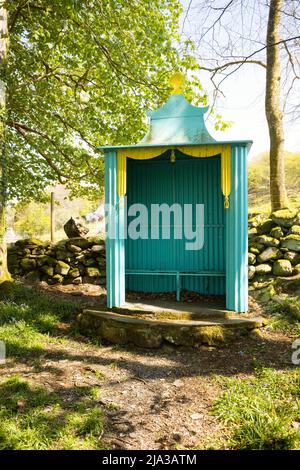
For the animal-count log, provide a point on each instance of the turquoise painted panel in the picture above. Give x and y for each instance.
(115, 249)
(188, 181)
(237, 234)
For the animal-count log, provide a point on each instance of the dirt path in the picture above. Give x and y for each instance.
(151, 399)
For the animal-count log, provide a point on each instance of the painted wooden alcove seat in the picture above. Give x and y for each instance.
(176, 157)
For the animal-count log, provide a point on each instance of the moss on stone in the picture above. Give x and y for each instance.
(152, 334)
(58, 256)
(62, 255)
(269, 253)
(92, 272)
(296, 269)
(116, 334)
(254, 250)
(251, 272)
(74, 248)
(295, 229)
(212, 335)
(81, 242)
(30, 241)
(284, 217)
(88, 262)
(276, 232)
(264, 295)
(74, 272)
(267, 241)
(292, 242)
(252, 232)
(28, 264)
(292, 256)
(266, 226)
(57, 279)
(282, 267)
(62, 268)
(49, 270)
(50, 261)
(251, 258)
(263, 268)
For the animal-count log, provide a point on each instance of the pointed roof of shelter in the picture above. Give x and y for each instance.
(177, 120)
(176, 123)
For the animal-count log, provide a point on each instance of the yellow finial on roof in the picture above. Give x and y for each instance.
(177, 81)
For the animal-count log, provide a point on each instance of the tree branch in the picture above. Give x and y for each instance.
(218, 19)
(14, 16)
(19, 126)
(222, 67)
(71, 126)
(248, 59)
(186, 15)
(54, 167)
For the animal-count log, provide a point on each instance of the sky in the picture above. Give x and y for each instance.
(243, 104)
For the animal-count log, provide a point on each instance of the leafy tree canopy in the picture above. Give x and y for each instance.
(80, 74)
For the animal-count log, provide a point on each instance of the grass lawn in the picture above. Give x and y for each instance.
(59, 390)
(262, 411)
(258, 181)
(32, 416)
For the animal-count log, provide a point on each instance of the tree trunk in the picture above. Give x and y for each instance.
(273, 110)
(4, 274)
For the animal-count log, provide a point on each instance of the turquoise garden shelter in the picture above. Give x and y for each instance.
(178, 162)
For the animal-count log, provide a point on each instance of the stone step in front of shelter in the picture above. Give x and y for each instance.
(153, 332)
(172, 310)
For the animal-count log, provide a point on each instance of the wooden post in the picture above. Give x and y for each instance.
(115, 247)
(52, 217)
(237, 233)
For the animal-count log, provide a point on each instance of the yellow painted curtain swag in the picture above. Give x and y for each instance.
(201, 151)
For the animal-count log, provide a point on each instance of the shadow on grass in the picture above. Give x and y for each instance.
(240, 357)
(33, 418)
(28, 317)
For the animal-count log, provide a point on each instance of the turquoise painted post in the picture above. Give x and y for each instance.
(115, 249)
(237, 234)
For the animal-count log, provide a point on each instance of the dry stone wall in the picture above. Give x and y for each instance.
(274, 251)
(75, 260)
